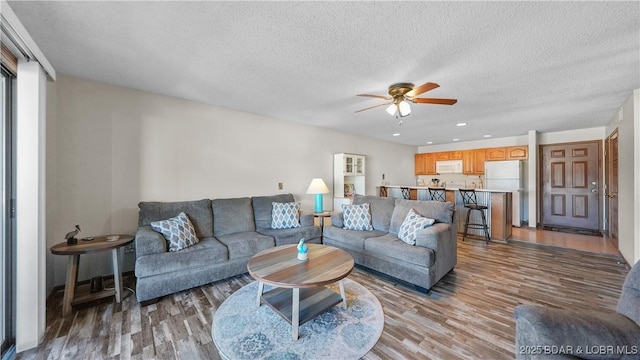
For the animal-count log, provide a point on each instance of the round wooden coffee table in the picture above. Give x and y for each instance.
(300, 293)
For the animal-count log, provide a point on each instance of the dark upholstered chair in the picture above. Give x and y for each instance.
(543, 333)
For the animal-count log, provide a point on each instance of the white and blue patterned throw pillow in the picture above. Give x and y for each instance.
(411, 224)
(285, 215)
(178, 231)
(356, 217)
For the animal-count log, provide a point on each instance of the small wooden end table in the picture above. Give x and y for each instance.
(98, 244)
(300, 293)
(321, 216)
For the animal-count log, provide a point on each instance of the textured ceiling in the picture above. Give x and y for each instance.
(513, 66)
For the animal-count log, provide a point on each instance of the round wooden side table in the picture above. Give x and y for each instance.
(96, 244)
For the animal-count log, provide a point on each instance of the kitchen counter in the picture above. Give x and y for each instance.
(427, 187)
(499, 213)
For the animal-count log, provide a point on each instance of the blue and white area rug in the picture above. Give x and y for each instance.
(242, 330)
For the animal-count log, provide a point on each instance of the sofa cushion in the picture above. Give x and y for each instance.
(293, 236)
(629, 302)
(199, 213)
(437, 210)
(349, 239)
(411, 224)
(203, 254)
(178, 231)
(232, 216)
(389, 246)
(246, 244)
(381, 209)
(285, 215)
(262, 208)
(356, 217)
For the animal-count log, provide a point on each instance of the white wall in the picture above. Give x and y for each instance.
(628, 176)
(111, 147)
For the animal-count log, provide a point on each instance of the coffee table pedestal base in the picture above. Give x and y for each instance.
(299, 305)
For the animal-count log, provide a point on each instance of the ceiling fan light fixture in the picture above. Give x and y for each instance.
(404, 108)
(392, 109)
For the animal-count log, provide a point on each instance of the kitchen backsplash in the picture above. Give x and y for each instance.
(451, 180)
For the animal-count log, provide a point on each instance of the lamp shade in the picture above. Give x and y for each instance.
(404, 108)
(392, 109)
(317, 186)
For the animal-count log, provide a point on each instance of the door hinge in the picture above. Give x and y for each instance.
(12, 208)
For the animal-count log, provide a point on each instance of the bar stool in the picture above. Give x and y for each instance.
(437, 194)
(405, 193)
(471, 202)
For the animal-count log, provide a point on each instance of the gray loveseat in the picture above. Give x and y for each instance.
(422, 265)
(230, 231)
(543, 333)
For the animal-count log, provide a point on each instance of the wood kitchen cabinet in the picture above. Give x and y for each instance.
(479, 157)
(442, 155)
(517, 152)
(473, 162)
(431, 164)
(507, 153)
(425, 164)
(449, 155)
(455, 155)
(421, 164)
(496, 154)
(467, 162)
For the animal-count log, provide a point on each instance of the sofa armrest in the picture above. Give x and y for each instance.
(433, 237)
(441, 238)
(149, 242)
(336, 220)
(542, 331)
(306, 220)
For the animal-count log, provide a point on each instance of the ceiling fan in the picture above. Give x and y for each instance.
(400, 93)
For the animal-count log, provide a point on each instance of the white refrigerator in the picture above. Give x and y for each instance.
(507, 175)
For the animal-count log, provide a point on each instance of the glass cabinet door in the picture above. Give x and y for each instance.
(348, 165)
(359, 167)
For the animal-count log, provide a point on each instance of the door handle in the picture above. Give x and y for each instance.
(594, 190)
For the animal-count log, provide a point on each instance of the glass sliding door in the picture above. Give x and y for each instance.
(7, 231)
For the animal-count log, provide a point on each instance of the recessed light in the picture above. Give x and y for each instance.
(461, 124)
(456, 140)
(486, 135)
(429, 142)
(396, 134)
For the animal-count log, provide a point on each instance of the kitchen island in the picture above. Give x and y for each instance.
(498, 215)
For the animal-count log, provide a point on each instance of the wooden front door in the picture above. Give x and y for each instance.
(611, 181)
(570, 185)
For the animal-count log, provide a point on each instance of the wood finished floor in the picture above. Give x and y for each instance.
(599, 244)
(467, 315)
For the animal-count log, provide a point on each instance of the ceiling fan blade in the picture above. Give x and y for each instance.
(422, 89)
(376, 96)
(375, 106)
(434, 101)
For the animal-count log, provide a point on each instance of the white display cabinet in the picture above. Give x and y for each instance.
(348, 178)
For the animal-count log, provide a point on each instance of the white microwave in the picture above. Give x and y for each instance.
(449, 167)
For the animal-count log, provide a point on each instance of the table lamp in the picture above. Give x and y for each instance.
(318, 187)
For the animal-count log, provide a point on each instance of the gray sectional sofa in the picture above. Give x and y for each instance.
(230, 232)
(543, 332)
(423, 265)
